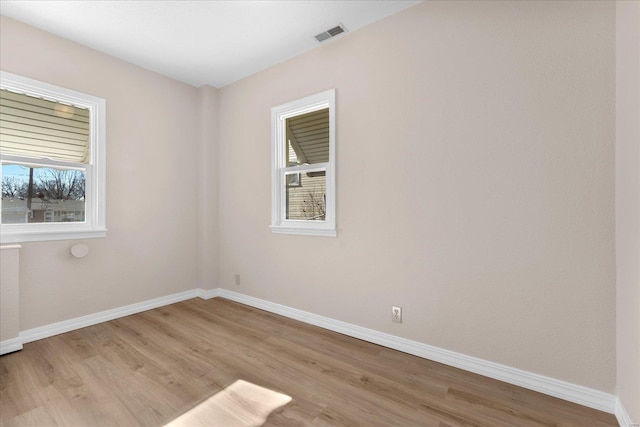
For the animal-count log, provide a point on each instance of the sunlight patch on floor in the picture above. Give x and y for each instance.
(242, 404)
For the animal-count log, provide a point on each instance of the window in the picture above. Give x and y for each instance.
(52, 153)
(303, 165)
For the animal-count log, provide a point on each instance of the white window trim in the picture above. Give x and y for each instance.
(95, 199)
(279, 115)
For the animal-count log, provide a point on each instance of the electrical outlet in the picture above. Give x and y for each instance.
(396, 314)
(237, 280)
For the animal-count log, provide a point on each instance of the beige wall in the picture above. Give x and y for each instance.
(628, 205)
(207, 185)
(485, 134)
(152, 132)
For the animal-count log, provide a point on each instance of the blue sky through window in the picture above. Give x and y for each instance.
(21, 172)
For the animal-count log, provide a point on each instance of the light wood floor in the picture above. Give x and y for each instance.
(150, 368)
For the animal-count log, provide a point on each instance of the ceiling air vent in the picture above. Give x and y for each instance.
(330, 33)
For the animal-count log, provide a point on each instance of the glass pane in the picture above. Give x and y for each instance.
(308, 138)
(307, 200)
(39, 194)
(293, 180)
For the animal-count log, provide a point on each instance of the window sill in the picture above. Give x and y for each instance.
(43, 236)
(326, 232)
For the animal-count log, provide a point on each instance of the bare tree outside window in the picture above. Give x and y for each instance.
(13, 187)
(314, 206)
(46, 194)
(57, 184)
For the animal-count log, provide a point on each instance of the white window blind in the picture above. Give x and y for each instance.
(38, 128)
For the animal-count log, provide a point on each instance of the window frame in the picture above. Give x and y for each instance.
(94, 225)
(279, 115)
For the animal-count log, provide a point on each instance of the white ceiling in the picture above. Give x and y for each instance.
(200, 42)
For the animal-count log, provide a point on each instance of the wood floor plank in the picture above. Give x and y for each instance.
(36, 417)
(186, 360)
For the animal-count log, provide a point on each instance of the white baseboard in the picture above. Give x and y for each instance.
(208, 294)
(572, 392)
(103, 316)
(46, 331)
(564, 390)
(622, 416)
(9, 346)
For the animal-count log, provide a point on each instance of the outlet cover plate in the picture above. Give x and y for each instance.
(396, 314)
